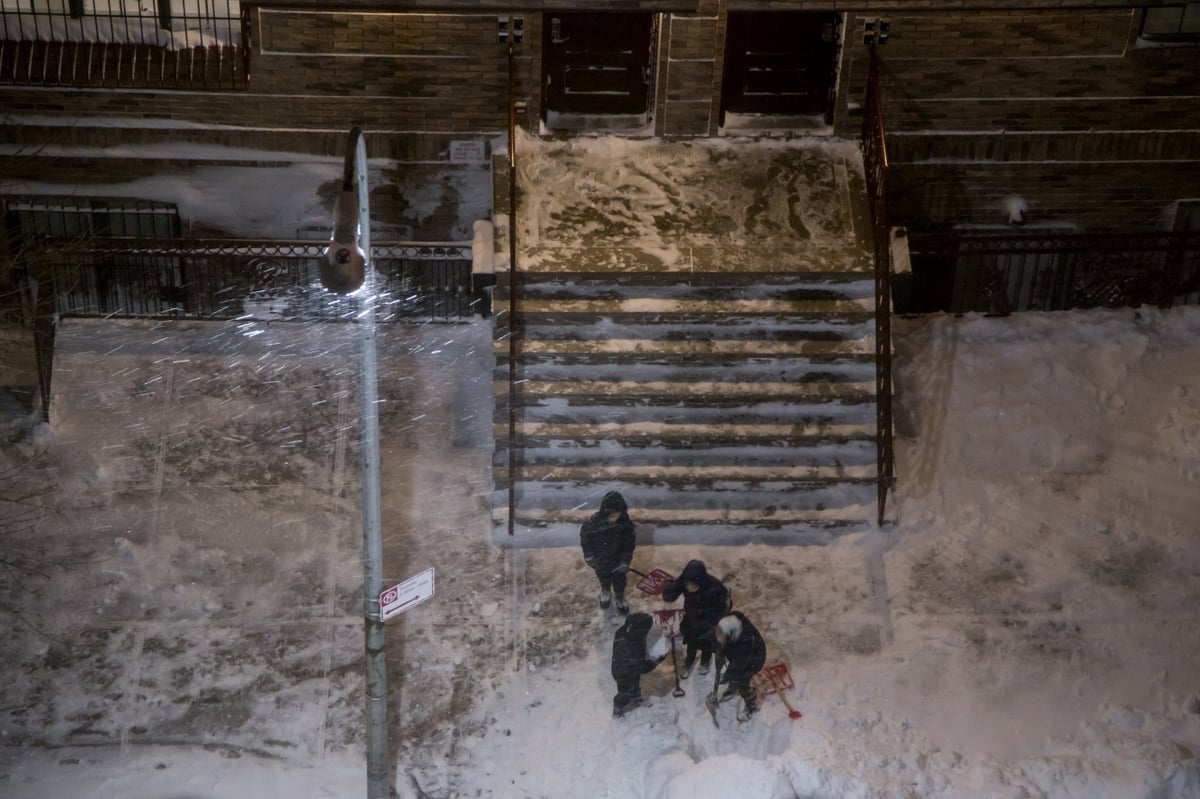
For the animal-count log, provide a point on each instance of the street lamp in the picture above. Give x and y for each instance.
(346, 268)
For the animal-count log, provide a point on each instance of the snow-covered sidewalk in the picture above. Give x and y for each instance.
(1026, 629)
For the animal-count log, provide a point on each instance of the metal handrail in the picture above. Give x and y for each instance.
(231, 278)
(512, 290)
(874, 144)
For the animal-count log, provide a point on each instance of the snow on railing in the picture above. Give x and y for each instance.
(176, 25)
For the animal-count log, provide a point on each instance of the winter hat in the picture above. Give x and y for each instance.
(693, 572)
(613, 501)
(731, 626)
(639, 623)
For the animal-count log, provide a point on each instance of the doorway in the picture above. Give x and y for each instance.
(780, 64)
(596, 64)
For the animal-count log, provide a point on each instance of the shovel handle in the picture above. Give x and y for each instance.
(792, 712)
(678, 692)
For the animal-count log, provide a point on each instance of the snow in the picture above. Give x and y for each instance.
(251, 193)
(1025, 628)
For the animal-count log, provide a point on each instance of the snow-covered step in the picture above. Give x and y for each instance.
(693, 307)
(633, 259)
(722, 447)
(799, 327)
(768, 523)
(702, 370)
(736, 529)
(675, 348)
(709, 388)
(790, 478)
(815, 284)
(688, 431)
(661, 498)
(808, 413)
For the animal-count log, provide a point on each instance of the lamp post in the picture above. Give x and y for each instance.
(346, 268)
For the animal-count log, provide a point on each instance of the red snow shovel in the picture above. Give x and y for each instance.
(780, 679)
(654, 582)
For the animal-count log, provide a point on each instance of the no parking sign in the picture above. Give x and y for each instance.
(405, 595)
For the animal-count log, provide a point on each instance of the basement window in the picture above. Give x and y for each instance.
(1166, 26)
(30, 218)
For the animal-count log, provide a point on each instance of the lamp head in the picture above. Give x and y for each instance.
(344, 268)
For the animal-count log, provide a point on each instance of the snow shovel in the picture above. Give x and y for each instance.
(652, 583)
(678, 692)
(668, 620)
(781, 680)
(793, 714)
(711, 700)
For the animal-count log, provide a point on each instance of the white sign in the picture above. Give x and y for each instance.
(467, 152)
(407, 594)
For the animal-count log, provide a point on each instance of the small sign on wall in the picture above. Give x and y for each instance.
(468, 152)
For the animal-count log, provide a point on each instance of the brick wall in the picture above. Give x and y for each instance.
(1006, 91)
(1058, 107)
(312, 70)
(1103, 196)
(690, 73)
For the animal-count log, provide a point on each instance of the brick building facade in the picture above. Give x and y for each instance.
(1074, 113)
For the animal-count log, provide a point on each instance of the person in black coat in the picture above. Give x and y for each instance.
(705, 601)
(630, 660)
(744, 652)
(608, 539)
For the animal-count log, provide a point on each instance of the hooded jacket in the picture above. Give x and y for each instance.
(608, 544)
(629, 657)
(745, 656)
(703, 608)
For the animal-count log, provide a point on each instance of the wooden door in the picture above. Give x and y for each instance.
(779, 62)
(596, 63)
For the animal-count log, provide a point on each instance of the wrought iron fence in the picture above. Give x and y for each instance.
(238, 279)
(875, 164)
(1040, 271)
(168, 44)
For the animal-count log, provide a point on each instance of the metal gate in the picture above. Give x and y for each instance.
(233, 279)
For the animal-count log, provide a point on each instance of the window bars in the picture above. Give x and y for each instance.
(135, 44)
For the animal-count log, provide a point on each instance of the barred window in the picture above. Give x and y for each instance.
(73, 217)
(157, 44)
(1174, 24)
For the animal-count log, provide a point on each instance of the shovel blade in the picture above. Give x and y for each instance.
(654, 582)
(710, 702)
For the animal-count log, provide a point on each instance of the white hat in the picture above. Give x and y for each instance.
(731, 626)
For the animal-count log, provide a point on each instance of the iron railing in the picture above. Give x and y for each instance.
(1055, 271)
(236, 279)
(875, 164)
(168, 44)
(514, 326)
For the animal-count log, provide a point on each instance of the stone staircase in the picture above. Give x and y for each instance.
(728, 404)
